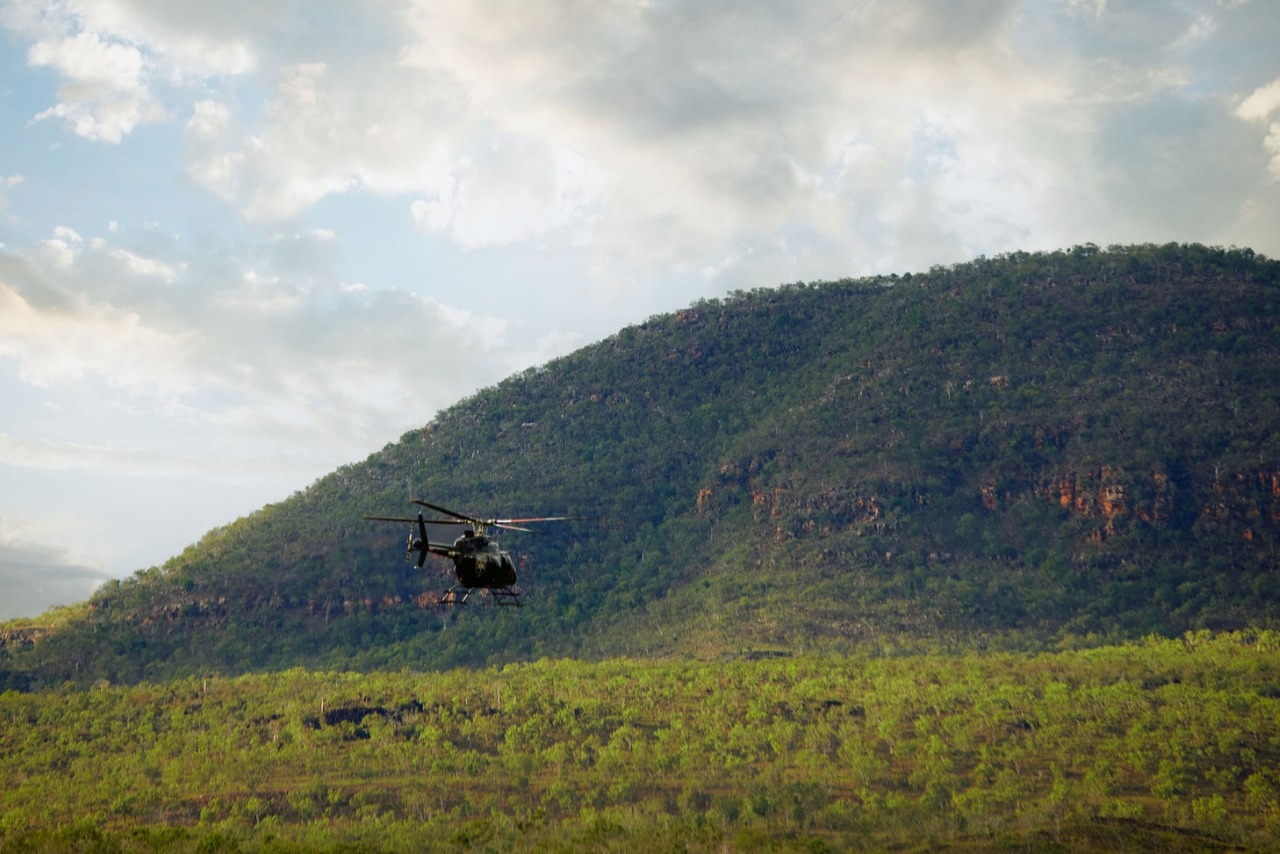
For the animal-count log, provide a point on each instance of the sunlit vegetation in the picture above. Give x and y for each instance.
(1158, 745)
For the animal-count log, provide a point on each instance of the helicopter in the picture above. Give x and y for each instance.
(478, 563)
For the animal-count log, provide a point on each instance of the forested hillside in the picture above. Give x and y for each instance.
(1013, 451)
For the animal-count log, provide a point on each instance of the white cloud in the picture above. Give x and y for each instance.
(264, 342)
(1096, 8)
(141, 266)
(510, 193)
(66, 346)
(638, 131)
(1259, 106)
(214, 144)
(1202, 29)
(1272, 146)
(105, 96)
(322, 134)
(91, 62)
(111, 54)
(102, 458)
(645, 134)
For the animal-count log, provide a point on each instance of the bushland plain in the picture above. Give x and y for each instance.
(1169, 744)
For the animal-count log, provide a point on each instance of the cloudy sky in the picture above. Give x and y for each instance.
(245, 242)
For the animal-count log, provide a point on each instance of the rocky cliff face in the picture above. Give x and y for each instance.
(1239, 504)
(1115, 497)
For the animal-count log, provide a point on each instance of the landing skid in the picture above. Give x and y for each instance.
(505, 597)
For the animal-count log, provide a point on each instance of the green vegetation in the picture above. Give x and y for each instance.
(1012, 452)
(1157, 745)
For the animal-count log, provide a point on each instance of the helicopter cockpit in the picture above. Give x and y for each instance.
(470, 542)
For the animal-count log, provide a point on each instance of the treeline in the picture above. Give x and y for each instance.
(1163, 744)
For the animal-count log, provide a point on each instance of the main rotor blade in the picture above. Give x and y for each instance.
(508, 524)
(411, 521)
(539, 519)
(472, 519)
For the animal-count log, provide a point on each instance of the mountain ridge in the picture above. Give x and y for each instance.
(1022, 449)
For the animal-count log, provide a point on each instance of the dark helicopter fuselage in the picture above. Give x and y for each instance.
(478, 562)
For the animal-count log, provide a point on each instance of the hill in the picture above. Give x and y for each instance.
(1018, 451)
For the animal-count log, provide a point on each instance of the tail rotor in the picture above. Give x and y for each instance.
(422, 543)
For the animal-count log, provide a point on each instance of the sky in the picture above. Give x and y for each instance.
(244, 243)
